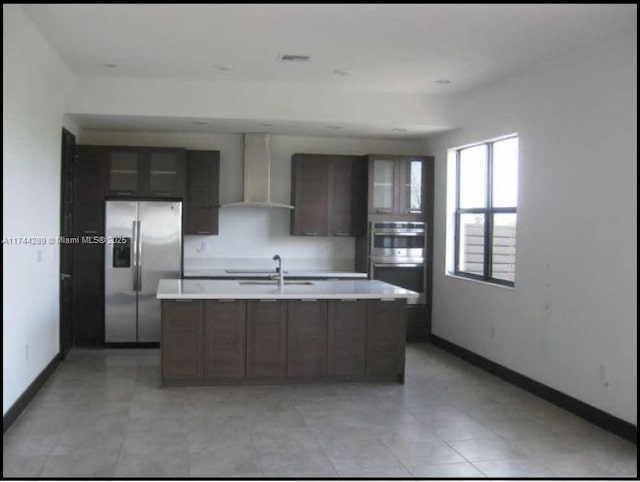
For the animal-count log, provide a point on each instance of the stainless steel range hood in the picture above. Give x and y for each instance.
(257, 173)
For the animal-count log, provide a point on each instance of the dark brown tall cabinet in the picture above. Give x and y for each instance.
(202, 200)
(91, 171)
(329, 194)
(130, 172)
(400, 189)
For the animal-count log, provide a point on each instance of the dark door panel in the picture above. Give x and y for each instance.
(347, 337)
(224, 338)
(266, 338)
(307, 338)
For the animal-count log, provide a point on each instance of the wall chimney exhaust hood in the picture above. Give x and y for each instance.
(257, 173)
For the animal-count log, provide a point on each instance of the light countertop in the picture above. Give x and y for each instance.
(316, 289)
(264, 273)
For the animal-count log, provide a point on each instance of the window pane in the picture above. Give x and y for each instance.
(505, 173)
(473, 177)
(503, 262)
(471, 250)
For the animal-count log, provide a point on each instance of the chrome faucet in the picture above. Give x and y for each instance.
(279, 270)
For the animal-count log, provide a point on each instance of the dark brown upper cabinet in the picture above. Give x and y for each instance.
(165, 172)
(148, 172)
(125, 166)
(203, 198)
(400, 186)
(347, 195)
(328, 192)
(310, 195)
(90, 186)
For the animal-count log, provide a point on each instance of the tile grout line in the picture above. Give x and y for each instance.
(255, 450)
(468, 461)
(48, 456)
(324, 452)
(395, 456)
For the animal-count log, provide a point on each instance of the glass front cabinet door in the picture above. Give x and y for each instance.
(124, 172)
(411, 192)
(167, 172)
(383, 196)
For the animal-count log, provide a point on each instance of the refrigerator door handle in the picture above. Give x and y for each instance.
(134, 255)
(139, 252)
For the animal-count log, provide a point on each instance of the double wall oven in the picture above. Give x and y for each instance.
(397, 253)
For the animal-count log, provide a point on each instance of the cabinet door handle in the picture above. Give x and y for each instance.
(90, 231)
(414, 211)
(203, 232)
(310, 234)
(387, 299)
(383, 211)
(342, 234)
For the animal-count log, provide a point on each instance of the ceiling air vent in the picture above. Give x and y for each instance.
(294, 58)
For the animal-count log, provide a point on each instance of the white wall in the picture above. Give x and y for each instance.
(34, 81)
(238, 100)
(574, 305)
(249, 237)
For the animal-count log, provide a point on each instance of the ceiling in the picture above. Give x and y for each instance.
(383, 47)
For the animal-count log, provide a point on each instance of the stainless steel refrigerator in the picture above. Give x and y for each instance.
(146, 245)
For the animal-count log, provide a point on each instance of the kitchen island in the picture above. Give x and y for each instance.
(222, 331)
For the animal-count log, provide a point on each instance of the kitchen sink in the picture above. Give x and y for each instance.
(274, 282)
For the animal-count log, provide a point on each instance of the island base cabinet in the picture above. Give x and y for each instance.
(386, 335)
(307, 338)
(235, 341)
(266, 339)
(346, 353)
(181, 343)
(224, 338)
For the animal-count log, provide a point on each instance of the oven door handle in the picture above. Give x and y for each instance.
(388, 233)
(398, 265)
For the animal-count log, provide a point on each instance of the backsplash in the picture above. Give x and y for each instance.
(249, 237)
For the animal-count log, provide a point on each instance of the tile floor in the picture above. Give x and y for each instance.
(103, 414)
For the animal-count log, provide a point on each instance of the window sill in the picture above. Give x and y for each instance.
(482, 282)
